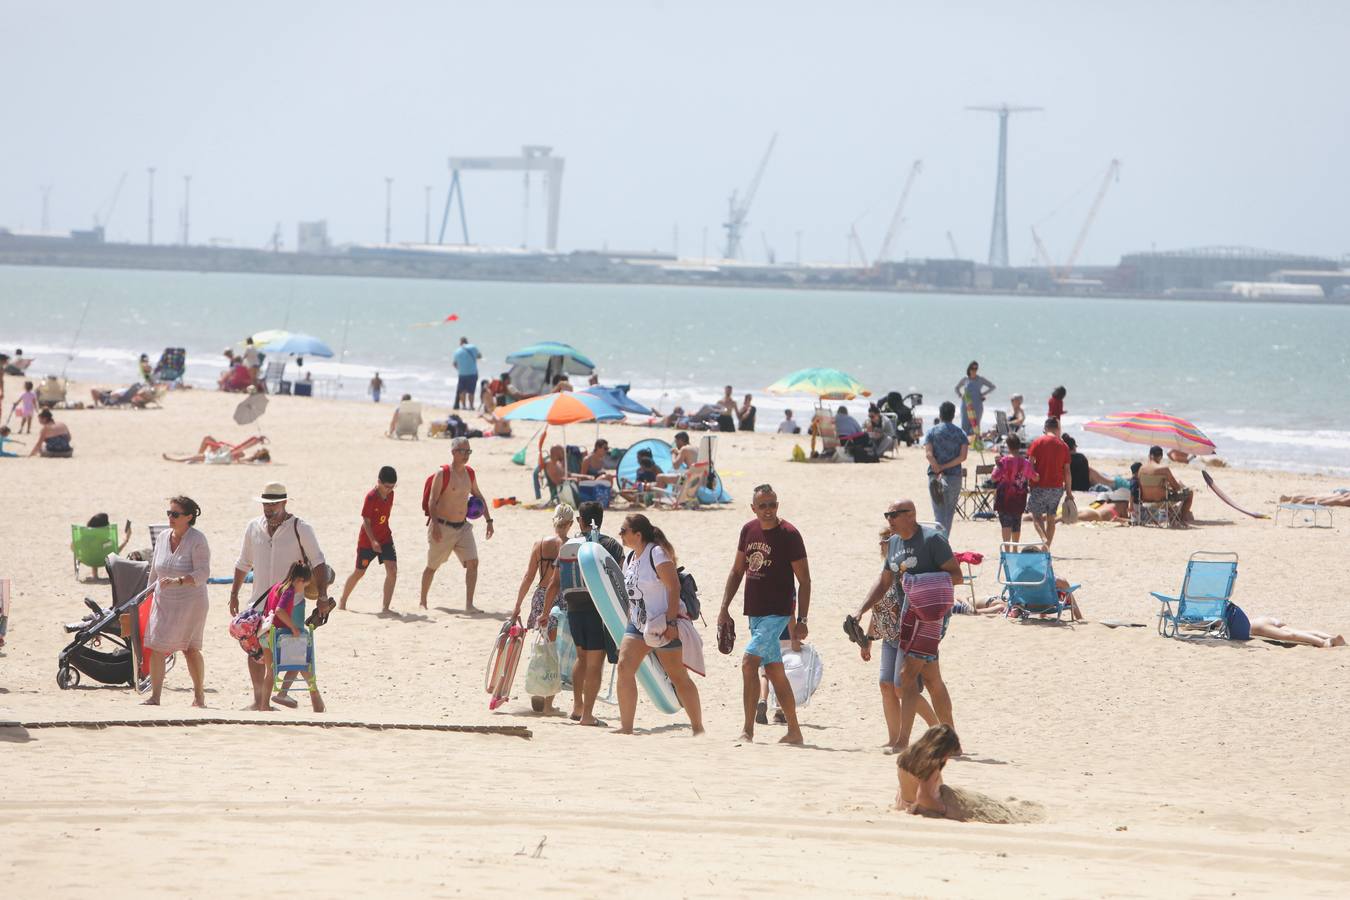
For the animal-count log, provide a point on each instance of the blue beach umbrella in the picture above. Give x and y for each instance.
(618, 398)
(291, 343)
(538, 356)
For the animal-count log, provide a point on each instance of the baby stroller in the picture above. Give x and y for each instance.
(908, 427)
(126, 662)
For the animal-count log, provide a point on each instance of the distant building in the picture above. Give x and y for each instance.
(312, 237)
(1204, 267)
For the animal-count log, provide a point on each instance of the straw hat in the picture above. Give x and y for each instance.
(273, 492)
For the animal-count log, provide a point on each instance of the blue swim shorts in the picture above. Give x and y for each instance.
(764, 632)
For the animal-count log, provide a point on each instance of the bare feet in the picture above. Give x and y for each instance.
(316, 702)
(199, 702)
(792, 737)
(342, 604)
(422, 605)
(622, 731)
(470, 608)
(150, 701)
(748, 735)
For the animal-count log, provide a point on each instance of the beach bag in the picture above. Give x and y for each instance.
(1239, 626)
(689, 594)
(937, 490)
(886, 616)
(543, 677)
(244, 628)
(1070, 512)
(928, 596)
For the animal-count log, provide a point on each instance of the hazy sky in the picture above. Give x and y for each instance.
(1229, 117)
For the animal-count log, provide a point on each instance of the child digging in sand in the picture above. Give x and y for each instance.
(922, 793)
(280, 611)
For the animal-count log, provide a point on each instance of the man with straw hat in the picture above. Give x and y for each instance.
(272, 543)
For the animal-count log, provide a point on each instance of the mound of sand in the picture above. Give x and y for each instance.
(972, 806)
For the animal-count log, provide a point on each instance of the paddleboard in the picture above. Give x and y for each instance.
(604, 581)
(1225, 498)
(804, 670)
(502, 663)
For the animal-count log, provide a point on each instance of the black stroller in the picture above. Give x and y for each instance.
(120, 664)
(908, 427)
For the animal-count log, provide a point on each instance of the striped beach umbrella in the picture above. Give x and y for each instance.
(1154, 427)
(826, 384)
(562, 408)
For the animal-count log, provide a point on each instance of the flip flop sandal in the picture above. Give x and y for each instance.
(855, 632)
(761, 713)
(321, 613)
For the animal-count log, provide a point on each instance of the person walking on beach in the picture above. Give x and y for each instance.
(539, 575)
(593, 642)
(913, 550)
(770, 553)
(179, 570)
(1055, 408)
(26, 407)
(972, 390)
(273, 543)
(448, 527)
(746, 414)
(252, 362)
(376, 539)
(654, 606)
(1050, 456)
(466, 363)
(376, 387)
(946, 447)
(1012, 480)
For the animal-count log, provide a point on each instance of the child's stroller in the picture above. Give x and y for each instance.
(908, 427)
(126, 663)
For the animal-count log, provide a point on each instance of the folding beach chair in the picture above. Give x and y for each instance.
(1157, 506)
(172, 363)
(91, 546)
(977, 499)
(1203, 599)
(272, 377)
(822, 426)
(408, 419)
(52, 393)
(1027, 574)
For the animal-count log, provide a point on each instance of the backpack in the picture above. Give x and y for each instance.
(444, 473)
(689, 594)
(455, 427)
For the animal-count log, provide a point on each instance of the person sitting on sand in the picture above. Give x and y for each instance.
(919, 769)
(6, 439)
(1175, 490)
(216, 452)
(53, 440)
(788, 425)
(1017, 416)
(1081, 474)
(845, 426)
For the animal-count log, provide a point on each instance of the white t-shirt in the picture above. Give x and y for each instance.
(789, 426)
(270, 556)
(647, 594)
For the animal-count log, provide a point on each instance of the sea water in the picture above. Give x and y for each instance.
(1268, 383)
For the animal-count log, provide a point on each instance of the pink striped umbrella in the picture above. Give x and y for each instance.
(1154, 427)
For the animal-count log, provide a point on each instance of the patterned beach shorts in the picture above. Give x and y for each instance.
(1044, 501)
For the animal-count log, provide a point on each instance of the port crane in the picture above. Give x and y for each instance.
(897, 218)
(737, 211)
(1056, 273)
(533, 158)
(951, 242)
(103, 214)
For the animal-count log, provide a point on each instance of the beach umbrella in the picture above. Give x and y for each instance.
(562, 408)
(825, 384)
(538, 356)
(251, 408)
(618, 398)
(291, 343)
(1154, 427)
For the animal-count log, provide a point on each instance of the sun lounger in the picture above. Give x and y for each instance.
(822, 426)
(1204, 597)
(172, 363)
(1027, 574)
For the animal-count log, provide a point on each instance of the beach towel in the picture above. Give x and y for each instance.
(923, 620)
(691, 645)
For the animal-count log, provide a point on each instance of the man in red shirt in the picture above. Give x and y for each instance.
(1050, 455)
(376, 540)
(769, 555)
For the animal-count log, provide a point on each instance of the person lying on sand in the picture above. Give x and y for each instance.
(997, 606)
(223, 453)
(1275, 629)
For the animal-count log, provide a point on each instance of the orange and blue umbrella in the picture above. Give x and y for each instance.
(564, 408)
(1154, 428)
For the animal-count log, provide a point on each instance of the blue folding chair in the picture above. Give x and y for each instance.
(1205, 593)
(1027, 574)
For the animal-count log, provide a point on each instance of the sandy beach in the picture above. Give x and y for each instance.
(1151, 767)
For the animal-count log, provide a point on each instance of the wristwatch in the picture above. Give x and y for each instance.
(801, 620)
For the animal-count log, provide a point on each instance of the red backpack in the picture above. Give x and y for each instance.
(443, 473)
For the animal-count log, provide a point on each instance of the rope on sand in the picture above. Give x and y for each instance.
(519, 731)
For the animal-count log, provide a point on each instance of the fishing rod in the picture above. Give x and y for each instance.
(79, 330)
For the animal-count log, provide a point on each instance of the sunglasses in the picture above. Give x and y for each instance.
(174, 514)
(623, 529)
(893, 513)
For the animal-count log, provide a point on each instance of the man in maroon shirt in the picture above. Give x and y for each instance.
(376, 540)
(1050, 455)
(769, 554)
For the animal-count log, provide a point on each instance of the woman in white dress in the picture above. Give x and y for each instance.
(181, 566)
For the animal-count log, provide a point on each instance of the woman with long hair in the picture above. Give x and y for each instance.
(543, 562)
(972, 390)
(179, 569)
(653, 600)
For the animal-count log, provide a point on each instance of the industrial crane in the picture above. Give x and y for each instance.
(104, 214)
(1112, 174)
(737, 212)
(951, 242)
(898, 216)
